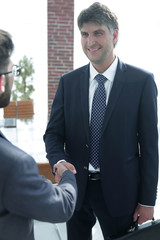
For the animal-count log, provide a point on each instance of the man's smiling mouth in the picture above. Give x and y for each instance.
(93, 50)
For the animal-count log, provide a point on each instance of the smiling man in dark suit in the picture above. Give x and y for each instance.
(113, 147)
(24, 194)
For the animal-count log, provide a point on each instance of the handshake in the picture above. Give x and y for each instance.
(60, 168)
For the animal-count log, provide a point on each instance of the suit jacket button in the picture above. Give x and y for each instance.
(85, 167)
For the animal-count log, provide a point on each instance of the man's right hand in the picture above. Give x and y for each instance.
(69, 166)
(60, 168)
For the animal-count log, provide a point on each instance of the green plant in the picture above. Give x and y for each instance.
(23, 84)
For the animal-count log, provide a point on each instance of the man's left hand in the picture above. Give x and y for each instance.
(144, 213)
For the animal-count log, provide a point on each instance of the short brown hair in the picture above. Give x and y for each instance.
(6, 49)
(99, 14)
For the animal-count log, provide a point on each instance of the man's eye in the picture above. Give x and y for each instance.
(98, 33)
(84, 34)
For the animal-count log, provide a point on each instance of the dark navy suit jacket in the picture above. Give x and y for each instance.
(129, 139)
(25, 195)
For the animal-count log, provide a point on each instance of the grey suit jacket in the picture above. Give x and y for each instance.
(25, 195)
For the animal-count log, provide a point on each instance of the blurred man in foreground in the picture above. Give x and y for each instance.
(24, 194)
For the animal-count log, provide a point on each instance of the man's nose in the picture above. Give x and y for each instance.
(91, 40)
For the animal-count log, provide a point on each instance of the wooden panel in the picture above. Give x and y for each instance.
(19, 109)
(25, 109)
(10, 110)
(45, 170)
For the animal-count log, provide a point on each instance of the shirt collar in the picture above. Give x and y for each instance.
(109, 73)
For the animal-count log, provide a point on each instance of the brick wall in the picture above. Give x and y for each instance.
(60, 43)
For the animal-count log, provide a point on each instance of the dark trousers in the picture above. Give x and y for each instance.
(79, 227)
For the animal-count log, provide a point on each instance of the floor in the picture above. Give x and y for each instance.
(29, 137)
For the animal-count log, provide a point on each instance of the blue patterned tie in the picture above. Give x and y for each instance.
(97, 117)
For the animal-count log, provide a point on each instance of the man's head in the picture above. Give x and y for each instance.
(99, 35)
(6, 80)
(99, 14)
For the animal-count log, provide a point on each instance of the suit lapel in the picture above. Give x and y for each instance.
(115, 92)
(84, 88)
(114, 95)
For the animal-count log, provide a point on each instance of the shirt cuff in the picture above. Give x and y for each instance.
(62, 160)
(144, 205)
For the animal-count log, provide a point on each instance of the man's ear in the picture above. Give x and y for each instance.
(2, 83)
(115, 36)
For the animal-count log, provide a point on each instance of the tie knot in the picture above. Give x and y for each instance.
(100, 78)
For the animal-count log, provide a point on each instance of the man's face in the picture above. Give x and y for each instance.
(8, 83)
(98, 43)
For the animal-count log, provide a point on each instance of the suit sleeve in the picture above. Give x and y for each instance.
(54, 137)
(148, 139)
(30, 195)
